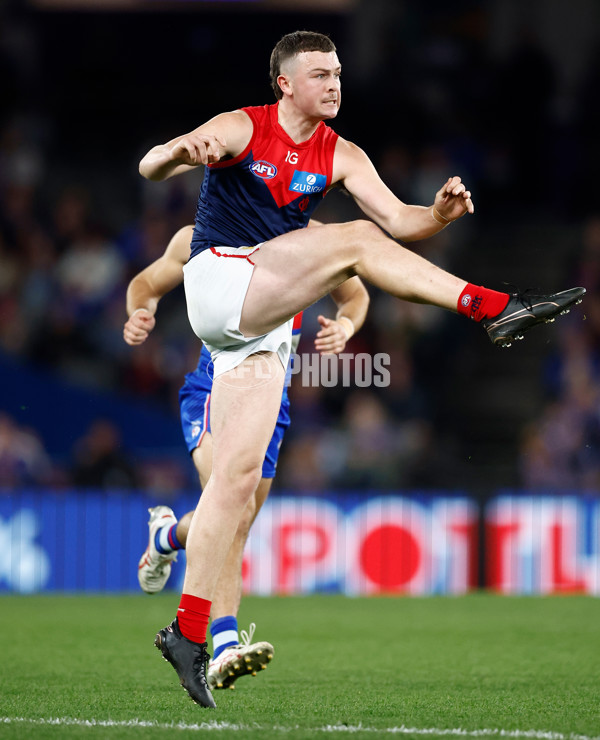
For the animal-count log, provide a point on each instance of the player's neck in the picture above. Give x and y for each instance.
(297, 125)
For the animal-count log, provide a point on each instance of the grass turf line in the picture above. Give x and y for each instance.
(477, 662)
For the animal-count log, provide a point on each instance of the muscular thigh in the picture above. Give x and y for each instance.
(245, 405)
(295, 270)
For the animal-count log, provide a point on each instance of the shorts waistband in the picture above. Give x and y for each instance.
(218, 251)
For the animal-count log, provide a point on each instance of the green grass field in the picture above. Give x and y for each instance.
(473, 666)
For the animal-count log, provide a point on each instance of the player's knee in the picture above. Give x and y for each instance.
(361, 228)
(241, 477)
(247, 480)
(364, 233)
(358, 235)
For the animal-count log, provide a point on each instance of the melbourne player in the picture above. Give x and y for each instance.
(254, 267)
(232, 657)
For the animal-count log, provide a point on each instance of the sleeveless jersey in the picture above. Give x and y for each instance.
(271, 188)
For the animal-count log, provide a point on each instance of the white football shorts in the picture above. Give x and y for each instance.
(216, 282)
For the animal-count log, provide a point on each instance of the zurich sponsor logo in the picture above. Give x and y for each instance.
(307, 182)
(264, 170)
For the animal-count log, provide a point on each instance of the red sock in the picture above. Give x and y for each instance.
(192, 616)
(479, 303)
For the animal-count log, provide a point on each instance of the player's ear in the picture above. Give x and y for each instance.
(285, 84)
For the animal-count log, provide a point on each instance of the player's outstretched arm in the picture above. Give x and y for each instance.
(147, 288)
(355, 170)
(352, 301)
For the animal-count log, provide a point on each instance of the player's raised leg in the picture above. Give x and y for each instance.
(296, 269)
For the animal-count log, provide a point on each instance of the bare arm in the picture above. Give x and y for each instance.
(352, 300)
(407, 222)
(224, 135)
(147, 288)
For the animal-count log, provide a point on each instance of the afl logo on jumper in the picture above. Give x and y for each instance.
(264, 170)
(307, 182)
(466, 300)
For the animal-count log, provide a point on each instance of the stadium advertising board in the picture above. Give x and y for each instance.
(392, 545)
(543, 545)
(357, 545)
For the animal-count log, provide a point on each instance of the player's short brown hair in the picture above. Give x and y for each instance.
(292, 44)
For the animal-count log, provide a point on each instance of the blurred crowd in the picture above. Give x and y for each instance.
(64, 269)
(561, 448)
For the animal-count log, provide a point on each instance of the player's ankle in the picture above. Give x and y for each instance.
(478, 303)
(166, 539)
(224, 632)
(192, 616)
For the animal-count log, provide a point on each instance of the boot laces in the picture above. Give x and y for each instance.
(247, 636)
(525, 297)
(201, 659)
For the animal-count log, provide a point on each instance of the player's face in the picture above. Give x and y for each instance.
(314, 81)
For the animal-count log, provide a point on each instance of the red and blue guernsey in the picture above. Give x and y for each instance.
(271, 188)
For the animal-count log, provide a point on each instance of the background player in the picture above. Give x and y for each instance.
(166, 534)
